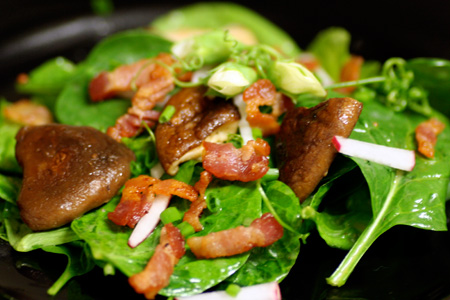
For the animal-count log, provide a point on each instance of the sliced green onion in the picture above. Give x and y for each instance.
(233, 290)
(167, 114)
(171, 215)
(257, 133)
(186, 229)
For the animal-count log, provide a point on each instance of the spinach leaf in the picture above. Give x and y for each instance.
(9, 188)
(8, 162)
(332, 48)
(49, 78)
(78, 263)
(231, 204)
(273, 263)
(433, 75)
(73, 106)
(219, 15)
(415, 198)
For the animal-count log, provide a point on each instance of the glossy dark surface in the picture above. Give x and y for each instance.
(404, 263)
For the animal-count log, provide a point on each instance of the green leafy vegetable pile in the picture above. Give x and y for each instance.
(347, 216)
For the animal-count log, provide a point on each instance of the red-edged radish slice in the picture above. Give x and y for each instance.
(264, 291)
(149, 221)
(397, 158)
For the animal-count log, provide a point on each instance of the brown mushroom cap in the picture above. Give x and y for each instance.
(304, 148)
(67, 171)
(196, 119)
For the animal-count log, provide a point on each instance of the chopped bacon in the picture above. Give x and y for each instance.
(263, 232)
(175, 187)
(158, 270)
(138, 196)
(26, 112)
(126, 78)
(152, 82)
(192, 216)
(260, 94)
(426, 136)
(245, 164)
(351, 71)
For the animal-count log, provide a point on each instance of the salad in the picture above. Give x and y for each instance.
(227, 58)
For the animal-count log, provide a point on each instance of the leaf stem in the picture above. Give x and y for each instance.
(366, 239)
(370, 80)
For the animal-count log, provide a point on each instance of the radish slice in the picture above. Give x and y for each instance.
(265, 291)
(244, 126)
(149, 221)
(397, 158)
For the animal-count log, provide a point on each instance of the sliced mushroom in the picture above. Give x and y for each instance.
(196, 119)
(304, 148)
(67, 171)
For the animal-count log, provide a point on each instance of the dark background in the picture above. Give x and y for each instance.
(405, 263)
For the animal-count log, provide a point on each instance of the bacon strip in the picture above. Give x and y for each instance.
(156, 274)
(263, 93)
(263, 232)
(245, 164)
(192, 216)
(138, 196)
(152, 82)
(426, 136)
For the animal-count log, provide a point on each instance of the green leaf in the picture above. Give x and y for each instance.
(9, 188)
(219, 15)
(8, 162)
(78, 263)
(274, 262)
(332, 48)
(49, 78)
(433, 74)
(414, 198)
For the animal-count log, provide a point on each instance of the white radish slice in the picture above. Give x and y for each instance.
(397, 158)
(264, 291)
(244, 126)
(148, 222)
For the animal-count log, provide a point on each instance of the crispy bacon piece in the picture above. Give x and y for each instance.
(138, 196)
(351, 71)
(426, 136)
(152, 82)
(192, 216)
(26, 112)
(245, 164)
(156, 274)
(263, 232)
(262, 94)
(126, 78)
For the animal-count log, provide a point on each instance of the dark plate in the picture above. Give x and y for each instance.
(404, 263)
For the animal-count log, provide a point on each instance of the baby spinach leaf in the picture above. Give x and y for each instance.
(332, 48)
(236, 203)
(73, 105)
(274, 262)
(433, 74)
(219, 15)
(49, 78)
(8, 162)
(415, 198)
(78, 263)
